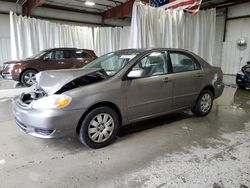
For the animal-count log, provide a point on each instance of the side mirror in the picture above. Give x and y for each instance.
(136, 73)
(45, 58)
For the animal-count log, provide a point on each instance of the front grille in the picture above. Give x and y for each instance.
(44, 132)
(21, 125)
(27, 129)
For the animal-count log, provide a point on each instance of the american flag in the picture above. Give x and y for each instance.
(191, 6)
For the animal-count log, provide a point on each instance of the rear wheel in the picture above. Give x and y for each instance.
(28, 77)
(99, 128)
(204, 103)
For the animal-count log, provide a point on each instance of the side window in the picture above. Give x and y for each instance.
(80, 54)
(66, 54)
(182, 62)
(153, 64)
(55, 55)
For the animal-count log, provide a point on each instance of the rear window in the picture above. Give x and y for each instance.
(182, 62)
(80, 54)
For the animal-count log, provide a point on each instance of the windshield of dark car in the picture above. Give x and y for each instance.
(37, 55)
(113, 62)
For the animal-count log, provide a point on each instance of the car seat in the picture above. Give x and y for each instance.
(157, 66)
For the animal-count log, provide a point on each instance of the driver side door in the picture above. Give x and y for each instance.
(151, 94)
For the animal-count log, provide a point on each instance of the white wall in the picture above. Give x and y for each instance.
(239, 10)
(220, 22)
(4, 38)
(233, 57)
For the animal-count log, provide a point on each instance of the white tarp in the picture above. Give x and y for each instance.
(150, 27)
(156, 27)
(30, 35)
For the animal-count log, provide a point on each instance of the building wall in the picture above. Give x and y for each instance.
(220, 22)
(233, 57)
(4, 38)
(239, 10)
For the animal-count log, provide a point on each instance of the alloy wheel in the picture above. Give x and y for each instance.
(30, 78)
(206, 102)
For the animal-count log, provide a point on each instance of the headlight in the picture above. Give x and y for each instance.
(52, 102)
(10, 65)
(241, 73)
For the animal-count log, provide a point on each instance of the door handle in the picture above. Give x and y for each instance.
(166, 80)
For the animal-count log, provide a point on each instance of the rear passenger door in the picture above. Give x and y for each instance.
(187, 78)
(80, 58)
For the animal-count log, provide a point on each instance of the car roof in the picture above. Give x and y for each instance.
(66, 48)
(152, 49)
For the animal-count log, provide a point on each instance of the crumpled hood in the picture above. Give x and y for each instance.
(53, 80)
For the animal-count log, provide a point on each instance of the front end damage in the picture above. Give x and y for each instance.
(45, 111)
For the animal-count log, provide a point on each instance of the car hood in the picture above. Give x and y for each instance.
(53, 80)
(17, 62)
(11, 62)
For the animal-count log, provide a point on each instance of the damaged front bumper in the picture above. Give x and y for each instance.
(46, 123)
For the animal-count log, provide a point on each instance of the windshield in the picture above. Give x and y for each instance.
(113, 62)
(38, 55)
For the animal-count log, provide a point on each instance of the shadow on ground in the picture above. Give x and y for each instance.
(152, 123)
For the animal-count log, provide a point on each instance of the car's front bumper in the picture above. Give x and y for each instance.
(243, 80)
(46, 123)
(6, 76)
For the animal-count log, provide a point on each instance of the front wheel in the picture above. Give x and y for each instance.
(204, 103)
(241, 87)
(28, 77)
(99, 127)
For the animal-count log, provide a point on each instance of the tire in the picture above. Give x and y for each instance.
(28, 77)
(204, 103)
(93, 129)
(241, 87)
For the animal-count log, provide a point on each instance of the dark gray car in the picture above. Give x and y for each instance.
(116, 89)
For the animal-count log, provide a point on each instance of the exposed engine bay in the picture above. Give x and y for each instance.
(83, 81)
(37, 91)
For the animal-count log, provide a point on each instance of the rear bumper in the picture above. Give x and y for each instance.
(46, 123)
(219, 88)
